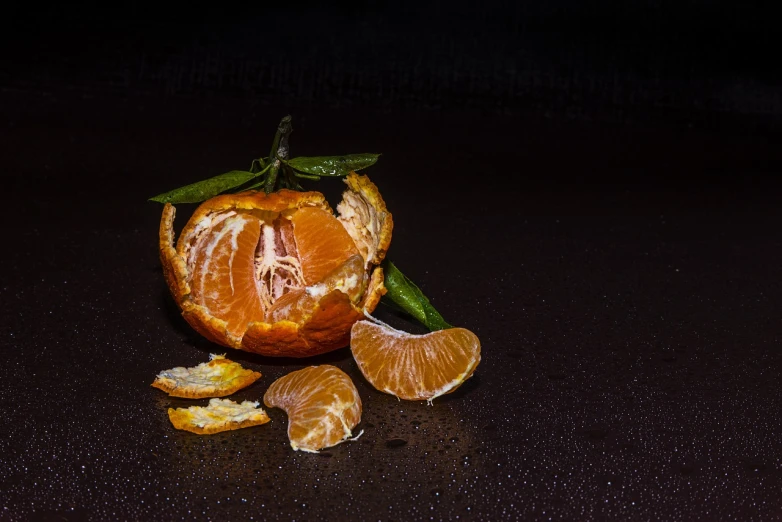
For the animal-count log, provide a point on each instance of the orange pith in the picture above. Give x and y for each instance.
(278, 274)
(322, 404)
(414, 367)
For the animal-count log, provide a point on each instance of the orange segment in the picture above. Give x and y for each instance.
(322, 404)
(224, 272)
(414, 367)
(323, 243)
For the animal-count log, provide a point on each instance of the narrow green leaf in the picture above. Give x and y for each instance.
(301, 175)
(203, 190)
(404, 293)
(333, 166)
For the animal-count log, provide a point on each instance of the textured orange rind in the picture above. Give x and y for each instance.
(213, 418)
(364, 214)
(217, 378)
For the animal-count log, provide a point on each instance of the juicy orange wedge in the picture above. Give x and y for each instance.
(414, 367)
(322, 241)
(322, 404)
(224, 276)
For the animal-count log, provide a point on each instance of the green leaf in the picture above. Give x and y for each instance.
(203, 190)
(404, 293)
(332, 166)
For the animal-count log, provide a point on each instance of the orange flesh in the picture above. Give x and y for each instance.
(322, 404)
(223, 275)
(251, 267)
(322, 241)
(414, 367)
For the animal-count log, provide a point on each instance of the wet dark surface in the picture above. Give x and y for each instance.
(629, 319)
(597, 201)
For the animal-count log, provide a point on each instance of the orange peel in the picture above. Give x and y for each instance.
(217, 378)
(220, 415)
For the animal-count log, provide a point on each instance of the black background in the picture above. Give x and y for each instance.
(700, 61)
(592, 189)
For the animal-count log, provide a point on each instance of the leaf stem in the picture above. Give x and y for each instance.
(279, 152)
(305, 176)
(267, 167)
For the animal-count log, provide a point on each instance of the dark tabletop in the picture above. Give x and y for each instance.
(619, 264)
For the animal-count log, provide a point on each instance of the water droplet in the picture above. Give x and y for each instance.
(395, 443)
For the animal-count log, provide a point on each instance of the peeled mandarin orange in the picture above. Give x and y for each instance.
(322, 404)
(279, 274)
(414, 367)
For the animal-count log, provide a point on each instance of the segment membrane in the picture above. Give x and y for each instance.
(277, 265)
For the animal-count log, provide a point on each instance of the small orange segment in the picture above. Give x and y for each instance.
(224, 272)
(414, 367)
(322, 404)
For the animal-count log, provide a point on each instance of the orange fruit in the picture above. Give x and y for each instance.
(279, 274)
(414, 367)
(322, 404)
